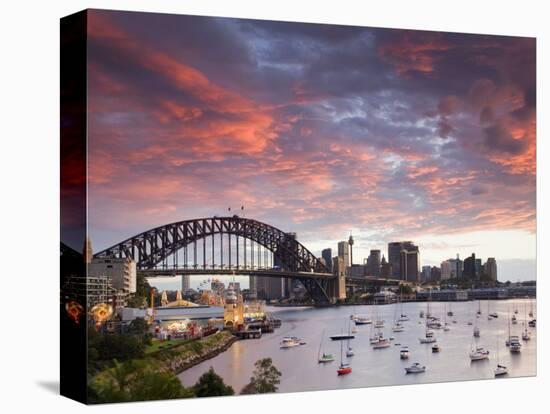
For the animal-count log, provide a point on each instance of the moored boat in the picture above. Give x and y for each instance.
(415, 368)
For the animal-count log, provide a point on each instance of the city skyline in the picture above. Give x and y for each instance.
(384, 138)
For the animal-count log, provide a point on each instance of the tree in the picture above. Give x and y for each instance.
(138, 326)
(265, 378)
(135, 381)
(211, 384)
(143, 290)
(121, 347)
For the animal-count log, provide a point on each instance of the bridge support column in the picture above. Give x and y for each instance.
(337, 286)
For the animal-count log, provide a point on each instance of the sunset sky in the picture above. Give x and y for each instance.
(317, 129)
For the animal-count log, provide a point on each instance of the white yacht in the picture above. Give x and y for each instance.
(479, 353)
(362, 320)
(382, 343)
(500, 370)
(404, 353)
(415, 368)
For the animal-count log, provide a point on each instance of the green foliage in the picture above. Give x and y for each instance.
(143, 290)
(135, 381)
(121, 347)
(265, 378)
(211, 384)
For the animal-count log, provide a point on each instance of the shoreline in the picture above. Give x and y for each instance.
(209, 355)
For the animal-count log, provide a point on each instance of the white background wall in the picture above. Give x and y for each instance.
(29, 208)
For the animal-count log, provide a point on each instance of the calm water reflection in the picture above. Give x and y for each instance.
(372, 367)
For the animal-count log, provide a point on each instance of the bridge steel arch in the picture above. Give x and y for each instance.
(150, 248)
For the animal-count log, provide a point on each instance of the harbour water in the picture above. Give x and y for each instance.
(378, 367)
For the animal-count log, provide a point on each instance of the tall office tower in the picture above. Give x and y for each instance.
(373, 263)
(479, 268)
(491, 268)
(185, 283)
(426, 273)
(410, 263)
(394, 258)
(343, 252)
(327, 255)
(351, 242)
(385, 269)
(457, 266)
(445, 270)
(405, 260)
(470, 267)
(435, 274)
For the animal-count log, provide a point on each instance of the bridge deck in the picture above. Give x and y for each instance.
(231, 272)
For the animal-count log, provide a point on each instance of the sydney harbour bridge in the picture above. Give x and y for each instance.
(228, 246)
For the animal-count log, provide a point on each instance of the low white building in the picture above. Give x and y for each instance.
(121, 271)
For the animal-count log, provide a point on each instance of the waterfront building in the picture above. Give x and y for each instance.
(490, 268)
(233, 310)
(445, 270)
(479, 268)
(121, 271)
(373, 263)
(343, 252)
(92, 290)
(326, 254)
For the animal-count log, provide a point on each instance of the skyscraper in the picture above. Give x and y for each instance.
(351, 242)
(373, 263)
(445, 270)
(343, 252)
(491, 268)
(456, 267)
(470, 267)
(327, 255)
(394, 258)
(385, 269)
(405, 260)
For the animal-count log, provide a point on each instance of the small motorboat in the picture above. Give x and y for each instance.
(379, 324)
(533, 323)
(500, 370)
(526, 336)
(427, 340)
(362, 320)
(398, 327)
(354, 330)
(436, 347)
(404, 353)
(514, 320)
(446, 328)
(415, 368)
(494, 315)
(476, 332)
(403, 318)
(382, 343)
(479, 353)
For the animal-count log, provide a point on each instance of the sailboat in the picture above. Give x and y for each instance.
(500, 369)
(397, 326)
(476, 328)
(323, 357)
(446, 326)
(429, 334)
(450, 311)
(349, 351)
(344, 367)
(525, 335)
(403, 317)
(479, 307)
(531, 308)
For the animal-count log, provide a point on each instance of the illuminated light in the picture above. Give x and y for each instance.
(74, 310)
(101, 313)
